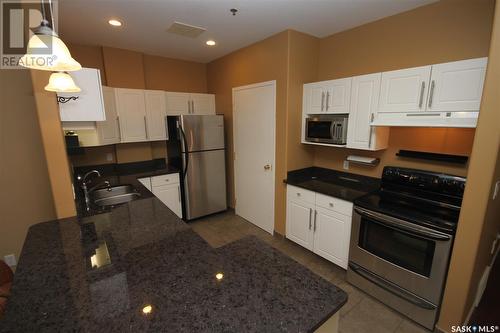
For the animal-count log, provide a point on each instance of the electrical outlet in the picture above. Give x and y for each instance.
(109, 157)
(346, 165)
(10, 260)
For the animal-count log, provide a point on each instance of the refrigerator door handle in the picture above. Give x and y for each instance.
(185, 153)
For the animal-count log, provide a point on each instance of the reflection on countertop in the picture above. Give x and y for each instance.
(342, 185)
(138, 268)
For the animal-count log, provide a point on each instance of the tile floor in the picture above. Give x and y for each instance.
(362, 313)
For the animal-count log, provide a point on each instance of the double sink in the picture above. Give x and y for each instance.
(114, 195)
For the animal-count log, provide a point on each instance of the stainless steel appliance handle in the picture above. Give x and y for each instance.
(392, 288)
(315, 216)
(322, 100)
(395, 223)
(186, 151)
(422, 89)
(327, 98)
(431, 93)
(310, 218)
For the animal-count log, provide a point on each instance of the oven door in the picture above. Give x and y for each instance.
(410, 256)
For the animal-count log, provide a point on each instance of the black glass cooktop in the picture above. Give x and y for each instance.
(432, 214)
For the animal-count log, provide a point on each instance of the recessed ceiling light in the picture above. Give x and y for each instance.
(115, 23)
(210, 42)
(147, 309)
(219, 276)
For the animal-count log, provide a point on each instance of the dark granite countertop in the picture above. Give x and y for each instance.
(342, 185)
(119, 174)
(98, 273)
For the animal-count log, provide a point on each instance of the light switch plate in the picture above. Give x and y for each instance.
(109, 157)
(497, 188)
(10, 260)
(346, 165)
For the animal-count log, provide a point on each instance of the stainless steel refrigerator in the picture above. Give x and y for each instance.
(195, 145)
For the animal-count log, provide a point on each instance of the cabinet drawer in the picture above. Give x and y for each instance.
(334, 204)
(172, 178)
(297, 193)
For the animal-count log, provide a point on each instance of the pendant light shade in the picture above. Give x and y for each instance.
(62, 82)
(46, 51)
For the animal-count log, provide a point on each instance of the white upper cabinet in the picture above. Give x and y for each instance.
(178, 103)
(108, 130)
(131, 108)
(327, 96)
(338, 96)
(186, 103)
(404, 90)
(156, 111)
(88, 104)
(364, 101)
(202, 103)
(457, 86)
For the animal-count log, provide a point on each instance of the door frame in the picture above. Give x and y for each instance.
(273, 169)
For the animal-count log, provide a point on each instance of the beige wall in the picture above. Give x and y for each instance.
(260, 62)
(444, 31)
(26, 195)
(122, 68)
(480, 216)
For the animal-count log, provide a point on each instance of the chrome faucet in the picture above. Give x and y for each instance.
(86, 190)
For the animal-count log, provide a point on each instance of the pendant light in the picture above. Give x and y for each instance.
(58, 59)
(62, 82)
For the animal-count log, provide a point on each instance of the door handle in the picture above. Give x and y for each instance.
(315, 215)
(267, 167)
(322, 100)
(431, 93)
(422, 89)
(146, 127)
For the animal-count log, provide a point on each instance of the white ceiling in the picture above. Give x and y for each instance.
(145, 22)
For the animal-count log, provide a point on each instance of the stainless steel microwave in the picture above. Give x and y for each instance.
(327, 128)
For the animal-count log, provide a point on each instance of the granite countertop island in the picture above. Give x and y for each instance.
(139, 268)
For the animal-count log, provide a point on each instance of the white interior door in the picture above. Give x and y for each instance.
(254, 110)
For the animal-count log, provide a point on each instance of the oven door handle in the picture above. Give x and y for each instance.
(392, 288)
(396, 223)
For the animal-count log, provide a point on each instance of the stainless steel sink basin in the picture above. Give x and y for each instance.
(114, 195)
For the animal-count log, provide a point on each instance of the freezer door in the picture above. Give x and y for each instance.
(202, 132)
(205, 183)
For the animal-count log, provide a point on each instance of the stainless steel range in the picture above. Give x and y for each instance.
(401, 240)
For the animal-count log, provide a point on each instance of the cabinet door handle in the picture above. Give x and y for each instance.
(422, 89)
(310, 218)
(189, 106)
(431, 93)
(119, 130)
(192, 106)
(322, 100)
(179, 192)
(146, 126)
(315, 215)
(327, 98)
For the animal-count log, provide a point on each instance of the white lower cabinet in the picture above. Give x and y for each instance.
(167, 189)
(323, 227)
(170, 195)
